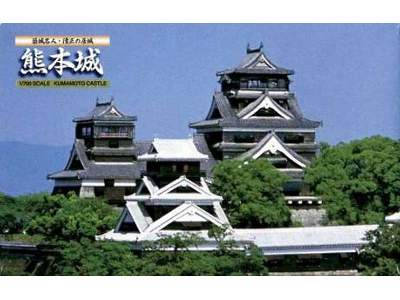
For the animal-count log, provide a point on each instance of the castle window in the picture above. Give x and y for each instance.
(273, 83)
(86, 131)
(114, 131)
(254, 83)
(244, 138)
(185, 168)
(292, 138)
(243, 84)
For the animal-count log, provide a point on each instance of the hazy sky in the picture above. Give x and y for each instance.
(345, 75)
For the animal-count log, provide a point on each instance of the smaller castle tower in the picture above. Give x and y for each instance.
(172, 194)
(103, 159)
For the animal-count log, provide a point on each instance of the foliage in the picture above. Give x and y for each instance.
(64, 218)
(22, 238)
(381, 256)
(220, 235)
(12, 266)
(88, 257)
(359, 181)
(230, 260)
(177, 242)
(170, 255)
(11, 216)
(156, 261)
(67, 226)
(55, 217)
(252, 192)
(167, 256)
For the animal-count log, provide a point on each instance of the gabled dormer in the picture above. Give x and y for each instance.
(265, 107)
(274, 149)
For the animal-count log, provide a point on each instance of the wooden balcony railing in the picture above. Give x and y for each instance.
(115, 134)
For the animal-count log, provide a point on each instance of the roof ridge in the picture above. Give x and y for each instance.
(105, 103)
(252, 50)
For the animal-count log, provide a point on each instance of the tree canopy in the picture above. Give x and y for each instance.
(358, 181)
(96, 258)
(167, 256)
(381, 256)
(56, 217)
(69, 217)
(67, 225)
(252, 192)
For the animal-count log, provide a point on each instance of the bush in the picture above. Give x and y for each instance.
(381, 256)
(359, 181)
(62, 217)
(69, 224)
(95, 258)
(252, 192)
(55, 217)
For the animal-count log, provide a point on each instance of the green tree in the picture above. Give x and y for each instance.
(381, 256)
(222, 235)
(171, 256)
(230, 260)
(359, 181)
(252, 192)
(98, 258)
(68, 226)
(62, 217)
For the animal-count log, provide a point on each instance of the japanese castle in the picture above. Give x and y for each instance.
(163, 184)
(254, 115)
(103, 159)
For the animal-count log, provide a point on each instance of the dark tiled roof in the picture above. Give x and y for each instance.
(249, 65)
(272, 123)
(142, 147)
(302, 123)
(256, 71)
(101, 113)
(112, 171)
(221, 102)
(71, 174)
(103, 171)
(205, 123)
(201, 145)
(81, 151)
(294, 107)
